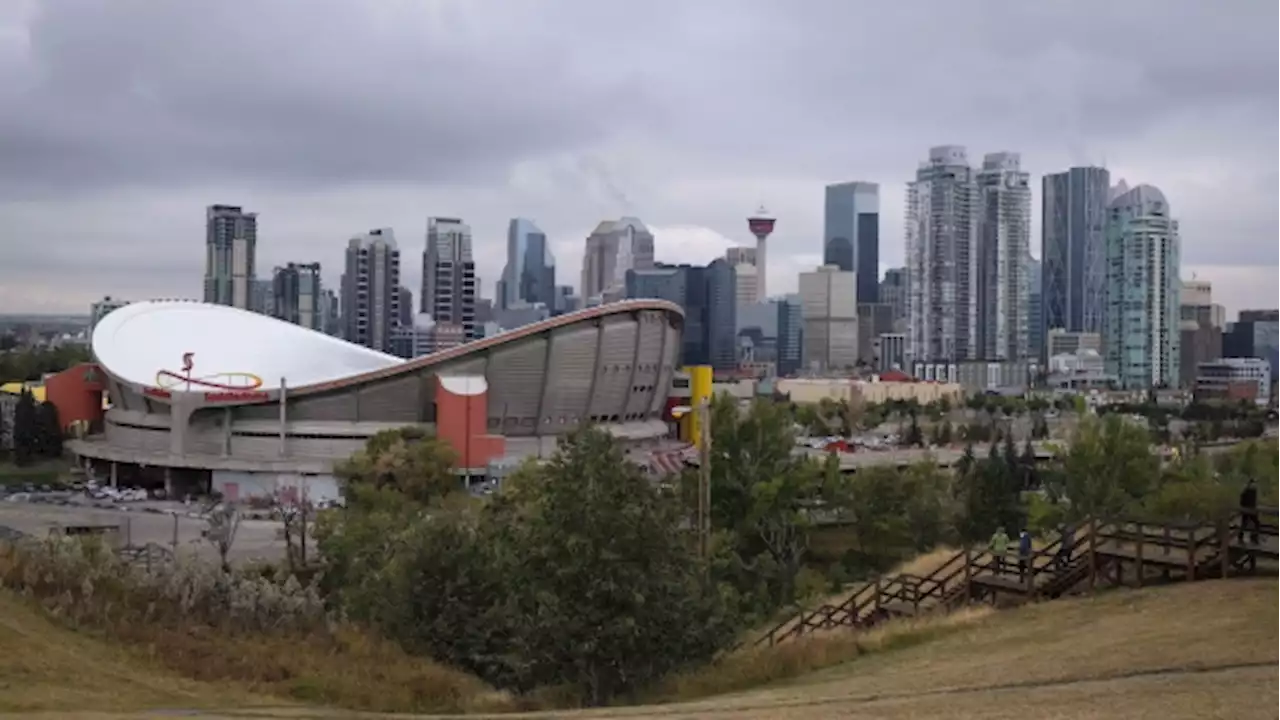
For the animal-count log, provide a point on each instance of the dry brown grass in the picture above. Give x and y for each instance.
(754, 667)
(1194, 651)
(45, 667)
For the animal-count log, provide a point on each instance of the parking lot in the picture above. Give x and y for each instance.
(165, 524)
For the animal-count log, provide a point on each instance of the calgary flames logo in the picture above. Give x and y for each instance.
(185, 378)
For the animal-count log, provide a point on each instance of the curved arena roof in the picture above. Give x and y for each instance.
(177, 347)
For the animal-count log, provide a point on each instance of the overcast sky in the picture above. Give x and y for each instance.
(120, 120)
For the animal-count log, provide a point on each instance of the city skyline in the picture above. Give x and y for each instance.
(1205, 138)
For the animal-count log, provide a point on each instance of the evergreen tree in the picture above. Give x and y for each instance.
(25, 429)
(5, 440)
(946, 433)
(48, 430)
(915, 438)
(1028, 462)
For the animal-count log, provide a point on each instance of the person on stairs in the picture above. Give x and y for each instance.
(1065, 546)
(999, 546)
(1024, 554)
(1249, 512)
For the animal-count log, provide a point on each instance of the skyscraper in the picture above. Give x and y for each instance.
(942, 259)
(1142, 318)
(231, 241)
(613, 248)
(297, 296)
(1073, 249)
(707, 296)
(851, 235)
(449, 276)
(1004, 222)
(371, 289)
(830, 312)
(1035, 309)
(893, 292)
(790, 341)
(530, 272)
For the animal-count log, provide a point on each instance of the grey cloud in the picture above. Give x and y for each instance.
(123, 92)
(122, 118)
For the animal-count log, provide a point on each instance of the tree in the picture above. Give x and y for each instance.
(5, 440)
(914, 437)
(946, 434)
(1108, 468)
(25, 429)
(989, 497)
(222, 524)
(608, 593)
(48, 441)
(1027, 464)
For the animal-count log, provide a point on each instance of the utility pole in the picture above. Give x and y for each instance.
(704, 474)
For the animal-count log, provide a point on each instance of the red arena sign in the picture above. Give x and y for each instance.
(156, 393)
(234, 395)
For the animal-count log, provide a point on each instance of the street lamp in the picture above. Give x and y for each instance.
(701, 413)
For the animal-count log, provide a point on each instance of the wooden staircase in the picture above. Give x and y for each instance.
(1120, 552)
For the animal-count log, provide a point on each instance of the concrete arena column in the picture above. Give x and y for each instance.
(168, 483)
(114, 471)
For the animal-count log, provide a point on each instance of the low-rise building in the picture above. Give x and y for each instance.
(1233, 380)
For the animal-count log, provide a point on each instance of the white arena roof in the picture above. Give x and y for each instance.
(198, 347)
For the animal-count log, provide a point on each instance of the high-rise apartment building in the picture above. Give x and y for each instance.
(449, 288)
(851, 234)
(710, 314)
(613, 248)
(1142, 321)
(371, 289)
(829, 308)
(1254, 335)
(231, 241)
(1073, 249)
(297, 296)
(530, 273)
(942, 259)
(1004, 240)
(331, 309)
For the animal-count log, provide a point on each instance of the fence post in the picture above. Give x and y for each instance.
(1137, 551)
(876, 602)
(175, 533)
(1093, 558)
(1191, 554)
(1224, 546)
(968, 574)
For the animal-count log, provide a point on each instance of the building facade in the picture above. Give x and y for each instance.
(100, 309)
(530, 273)
(371, 289)
(449, 285)
(829, 307)
(706, 294)
(297, 296)
(851, 234)
(231, 242)
(790, 341)
(1142, 336)
(1073, 248)
(893, 292)
(613, 248)
(1003, 245)
(942, 259)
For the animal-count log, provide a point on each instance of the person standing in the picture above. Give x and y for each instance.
(999, 546)
(1249, 512)
(1024, 554)
(1065, 546)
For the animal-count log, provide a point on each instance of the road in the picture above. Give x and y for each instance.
(255, 539)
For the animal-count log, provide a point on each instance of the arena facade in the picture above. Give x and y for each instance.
(207, 397)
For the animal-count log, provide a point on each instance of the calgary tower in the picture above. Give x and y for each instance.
(761, 225)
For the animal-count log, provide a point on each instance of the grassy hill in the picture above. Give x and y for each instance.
(1198, 650)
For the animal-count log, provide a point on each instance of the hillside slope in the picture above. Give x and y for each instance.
(1197, 650)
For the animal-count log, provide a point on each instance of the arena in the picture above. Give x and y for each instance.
(206, 397)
